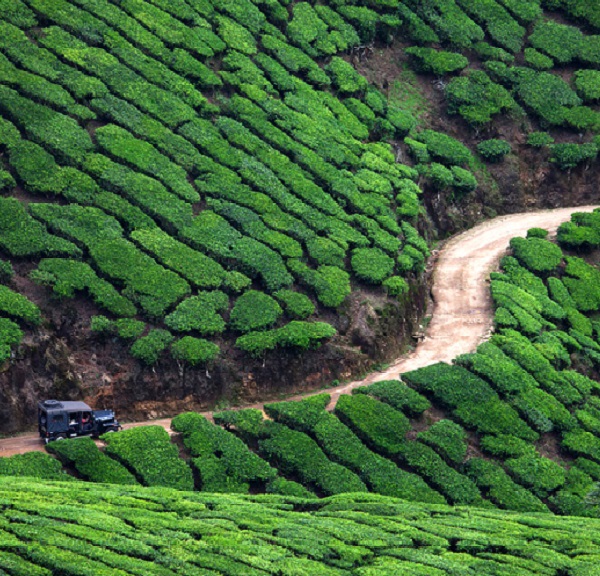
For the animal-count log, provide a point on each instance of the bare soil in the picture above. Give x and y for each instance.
(461, 314)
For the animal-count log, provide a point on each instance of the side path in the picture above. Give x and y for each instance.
(462, 311)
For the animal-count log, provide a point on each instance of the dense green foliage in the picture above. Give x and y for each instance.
(103, 529)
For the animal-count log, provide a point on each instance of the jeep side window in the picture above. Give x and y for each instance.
(57, 418)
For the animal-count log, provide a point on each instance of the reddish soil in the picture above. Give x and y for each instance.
(462, 307)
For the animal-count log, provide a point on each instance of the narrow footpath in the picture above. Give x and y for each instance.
(462, 312)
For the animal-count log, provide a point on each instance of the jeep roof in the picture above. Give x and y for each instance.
(63, 406)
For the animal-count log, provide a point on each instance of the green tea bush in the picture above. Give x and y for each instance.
(541, 475)
(200, 313)
(216, 450)
(587, 84)
(397, 395)
(330, 283)
(377, 424)
(438, 62)
(506, 446)
(7, 182)
(33, 464)
(567, 156)
(458, 488)
(148, 453)
(501, 489)
(254, 310)
(396, 286)
(194, 351)
(296, 334)
(286, 487)
(493, 150)
(540, 139)
(559, 41)
(67, 276)
(149, 348)
(473, 401)
(84, 456)
(445, 148)
(60, 133)
(297, 305)
(582, 443)
(371, 265)
(448, 439)
(537, 60)
(296, 454)
(549, 96)
(477, 98)
(7, 272)
(344, 77)
(194, 266)
(500, 25)
(21, 235)
(10, 336)
(18, 306)
(536, 254)
(344, 447)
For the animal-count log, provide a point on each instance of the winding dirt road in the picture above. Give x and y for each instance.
(462, 307)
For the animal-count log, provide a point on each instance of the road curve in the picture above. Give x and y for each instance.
(462, 309)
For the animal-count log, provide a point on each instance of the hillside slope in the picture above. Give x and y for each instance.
(196, 196)
(78, 529)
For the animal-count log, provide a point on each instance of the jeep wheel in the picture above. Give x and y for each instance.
(61, 437)
(111, 429)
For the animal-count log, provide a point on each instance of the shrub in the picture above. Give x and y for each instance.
(445, 148)
(477, 98)
(582, 443)
(10, 335)
(448, 439)
(539, 139)
(35, 465)
(343, 446)
(149, 348)
(438, 62)
(371, 265)
(21, 235)
(224, 462)
(344, 77)
(473, 401)
(297, 305)
(67, 276)
(93, 465)
(194, 351)
(541, 475)
(295, 453)
(537, 60)
(396, 286)
(330, 283)
(536, 254)
(506, 446)
(568, 156)
(129, 328)
(286, 487)
(148, 453)
(459, 489)
(6, 272)
(296, 334)
(493, 150)
(254, 310)
(377, 424)
(501, 489)
(561, 42)
(200, 313)
(18, 306)
(397, 395)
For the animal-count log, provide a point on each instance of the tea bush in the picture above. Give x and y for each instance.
(493, 150)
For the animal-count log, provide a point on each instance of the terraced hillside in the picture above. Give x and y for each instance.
(91, 530)
(513, 425)
(196, 195)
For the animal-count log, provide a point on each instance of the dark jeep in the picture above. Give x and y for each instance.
(67, 419)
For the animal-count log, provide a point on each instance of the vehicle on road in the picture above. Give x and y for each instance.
(58, 420)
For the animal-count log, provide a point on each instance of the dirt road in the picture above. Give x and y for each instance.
(462, 308)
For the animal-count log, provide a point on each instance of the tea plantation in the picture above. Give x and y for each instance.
(215, 181)
(107, 530)
(211, 174)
